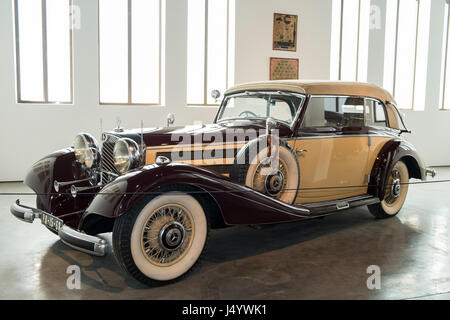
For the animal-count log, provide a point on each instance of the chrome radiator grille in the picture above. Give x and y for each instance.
(107, 159)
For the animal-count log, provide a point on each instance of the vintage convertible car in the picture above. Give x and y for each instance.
(276, 152)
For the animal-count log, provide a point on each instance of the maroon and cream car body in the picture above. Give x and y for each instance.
(276, 152)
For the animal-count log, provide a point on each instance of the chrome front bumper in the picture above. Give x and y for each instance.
(73, 238)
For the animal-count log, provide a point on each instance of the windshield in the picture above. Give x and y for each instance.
(261, 105)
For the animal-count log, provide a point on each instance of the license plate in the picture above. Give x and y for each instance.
(51, 222)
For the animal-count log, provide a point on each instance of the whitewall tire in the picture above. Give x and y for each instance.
(162, 239)
(396, 191)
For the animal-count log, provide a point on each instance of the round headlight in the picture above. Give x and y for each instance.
(86, 149)
(126, 155)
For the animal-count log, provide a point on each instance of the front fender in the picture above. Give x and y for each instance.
(61, 166)
(238, 204)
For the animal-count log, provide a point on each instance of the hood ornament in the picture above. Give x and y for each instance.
(119, 128)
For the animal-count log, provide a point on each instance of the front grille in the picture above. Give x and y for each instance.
(107, 159)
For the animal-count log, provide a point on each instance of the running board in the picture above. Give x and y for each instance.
(321, 208)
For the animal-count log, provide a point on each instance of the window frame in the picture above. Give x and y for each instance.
(444, 61)
(45, 100)
(205, 60)
(384, 110)
(129, 60)
(288, 100)
(412, 107)
(295, 121)
(340, 45)
(310, 97)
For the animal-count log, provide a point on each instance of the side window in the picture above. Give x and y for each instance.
(334, 112)
(375, 113)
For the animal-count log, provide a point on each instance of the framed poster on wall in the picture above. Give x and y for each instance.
(285, 32)
(284, 69)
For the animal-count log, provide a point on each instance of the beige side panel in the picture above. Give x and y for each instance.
(337, 166)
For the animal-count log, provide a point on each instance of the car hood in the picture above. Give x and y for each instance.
(194, 133)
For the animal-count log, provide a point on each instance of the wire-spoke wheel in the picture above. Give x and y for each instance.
(161, 239)
(396, 191)
(167, 235)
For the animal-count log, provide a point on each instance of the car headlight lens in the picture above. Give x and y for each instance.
(126, 155)
(86, 150)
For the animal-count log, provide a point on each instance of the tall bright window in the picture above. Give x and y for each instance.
(350, 40)
(445, 74)
(43, 38)
(406, 51)
(210, 49)
(130, 51)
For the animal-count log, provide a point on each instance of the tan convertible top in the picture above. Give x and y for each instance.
(319, 88)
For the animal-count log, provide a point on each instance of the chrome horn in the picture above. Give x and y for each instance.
(75, 190)
(58, 185)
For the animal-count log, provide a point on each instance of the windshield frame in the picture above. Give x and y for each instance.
(266, 93)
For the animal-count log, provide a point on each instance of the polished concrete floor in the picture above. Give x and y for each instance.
(320, 259)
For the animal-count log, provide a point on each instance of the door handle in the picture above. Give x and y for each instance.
(301, 151)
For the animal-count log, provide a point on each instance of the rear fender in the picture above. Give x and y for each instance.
(392, 152)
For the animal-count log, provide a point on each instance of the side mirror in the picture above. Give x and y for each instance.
(170, 119)
(215, 94)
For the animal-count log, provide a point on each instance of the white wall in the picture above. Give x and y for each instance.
(254, 25)
(28, 132)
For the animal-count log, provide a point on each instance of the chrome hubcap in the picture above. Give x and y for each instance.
(268, 181)
(274, 183)
(171, 236)
(396, 188)
(393, 187)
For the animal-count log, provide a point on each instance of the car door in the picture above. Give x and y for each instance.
(332, 149)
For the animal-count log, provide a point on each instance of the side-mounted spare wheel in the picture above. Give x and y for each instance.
(396, 190)
(161, 238)
(275, 173)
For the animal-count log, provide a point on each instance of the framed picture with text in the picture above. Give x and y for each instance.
(284, 69)
(285, 32)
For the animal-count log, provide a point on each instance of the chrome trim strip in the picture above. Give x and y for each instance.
(340, 136)
(227, 145)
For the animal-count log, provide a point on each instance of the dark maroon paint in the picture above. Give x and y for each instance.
(229, 202)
